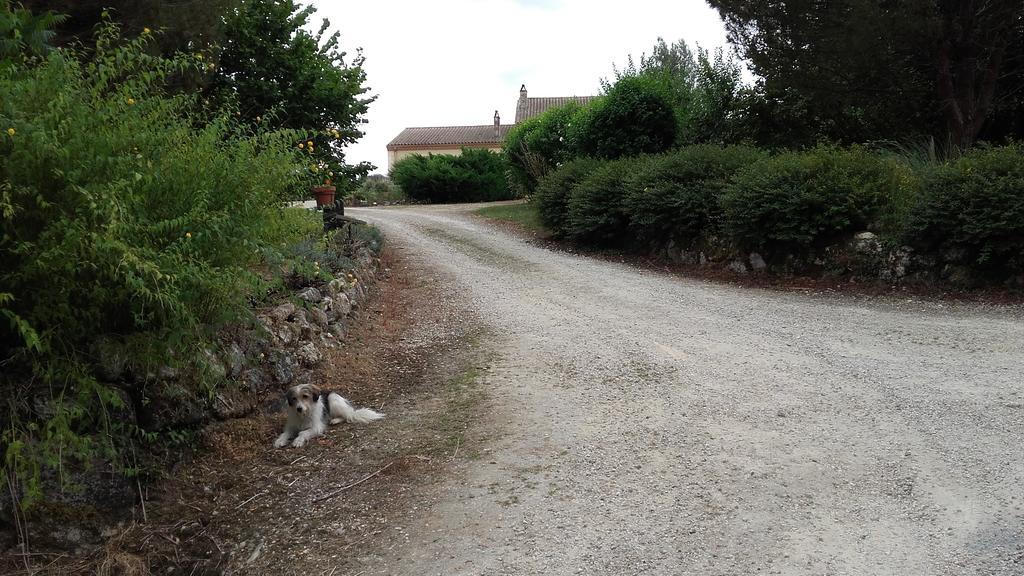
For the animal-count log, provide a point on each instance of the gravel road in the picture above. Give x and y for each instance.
(651, 424)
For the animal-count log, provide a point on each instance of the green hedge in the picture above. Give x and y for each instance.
(675, 197)
(792, 206)
(971, 212)
(798, 202)
(596, 212)
(552, 194)
(474, 176)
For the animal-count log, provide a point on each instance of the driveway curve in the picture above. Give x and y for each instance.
(652, 424)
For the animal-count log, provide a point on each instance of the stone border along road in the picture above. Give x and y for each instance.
(653, 424)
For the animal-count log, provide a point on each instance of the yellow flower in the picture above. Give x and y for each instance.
(210, 67)
(188, 234)
(10, 131)
(315, 169)
(259, 119)
(145, 30)
(301, 145)
(199, 56)
(131, 101)
(310, 144)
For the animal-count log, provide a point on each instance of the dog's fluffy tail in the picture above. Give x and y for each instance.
(342, 410)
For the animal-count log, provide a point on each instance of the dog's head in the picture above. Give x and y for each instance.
(302, 398)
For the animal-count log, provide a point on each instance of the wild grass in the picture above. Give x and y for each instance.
(524, 214)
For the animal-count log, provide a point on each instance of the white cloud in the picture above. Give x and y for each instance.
(454, 62)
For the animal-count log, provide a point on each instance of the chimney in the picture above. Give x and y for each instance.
(497, 125)
(522, 92)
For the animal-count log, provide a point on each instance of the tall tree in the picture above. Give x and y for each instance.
(703, 88)
(855, 70)
(278, 71)
(973, 46)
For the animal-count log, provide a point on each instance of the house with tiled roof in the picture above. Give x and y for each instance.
(452, 139)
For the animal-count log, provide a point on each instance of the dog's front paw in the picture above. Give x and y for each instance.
(281, 441)
(299, 442)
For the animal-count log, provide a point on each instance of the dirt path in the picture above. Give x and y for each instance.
(241, 506)
(648, 424)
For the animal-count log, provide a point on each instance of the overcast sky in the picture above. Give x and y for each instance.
(454, 62)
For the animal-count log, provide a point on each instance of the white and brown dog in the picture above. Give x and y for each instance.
(309, 411)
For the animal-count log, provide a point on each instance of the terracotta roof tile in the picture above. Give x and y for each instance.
(455, 135)
(529, 107)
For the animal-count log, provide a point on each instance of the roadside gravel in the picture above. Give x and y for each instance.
(651, 424)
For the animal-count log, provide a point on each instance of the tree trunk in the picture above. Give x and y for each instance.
(968, 61)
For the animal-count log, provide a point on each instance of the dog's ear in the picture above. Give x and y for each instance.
(314, 391)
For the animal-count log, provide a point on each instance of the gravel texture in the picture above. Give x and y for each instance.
(651, 424)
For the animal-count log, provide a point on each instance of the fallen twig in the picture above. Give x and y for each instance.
(342, 489)
(142, 500)
(249, 500)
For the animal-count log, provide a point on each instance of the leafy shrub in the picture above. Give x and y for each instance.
(676, 195)
(540, 144)
(971, 211)
(633, 118)
(596, 211)
(378, 191)
(552, 194)
(795, 203)
(474, 176)
(24, 34)
(130, 222)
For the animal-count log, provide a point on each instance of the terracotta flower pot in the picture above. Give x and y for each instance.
(324, 195)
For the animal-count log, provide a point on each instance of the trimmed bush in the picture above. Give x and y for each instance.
(971, 212)
(797, 203)
(552, 195)
(633, 118)
(597, 212)
(675, 197)
(475, 176)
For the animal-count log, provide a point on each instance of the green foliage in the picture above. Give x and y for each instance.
(704, 89)
(277, 72)
(971, 212)
(552, 194)
(676, 195)
(375, 190)
(130, 222)
(194, 27)
(24, 34)
(476, 175)
(794, 203)
(540, 144)
(597, 213)
(635, 117)
(711, 115)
